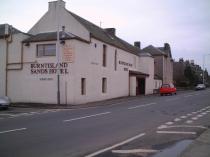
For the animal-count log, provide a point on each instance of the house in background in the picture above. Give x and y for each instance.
(11, 54)
(93, 63)
(163, 65)
(179, 72)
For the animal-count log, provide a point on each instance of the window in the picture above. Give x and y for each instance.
(46, 50)
(83, 86)
(104, 85)
(115, 60)
(104, 55)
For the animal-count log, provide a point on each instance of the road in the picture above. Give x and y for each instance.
(141, 124)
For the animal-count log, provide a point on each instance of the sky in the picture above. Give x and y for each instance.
(184, 24)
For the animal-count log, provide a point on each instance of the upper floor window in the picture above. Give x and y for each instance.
(46, 50)
(115, 60)
(104, 55)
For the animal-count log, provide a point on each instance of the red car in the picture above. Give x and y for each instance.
(167, 89)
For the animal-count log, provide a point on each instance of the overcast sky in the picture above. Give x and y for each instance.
(184, 24)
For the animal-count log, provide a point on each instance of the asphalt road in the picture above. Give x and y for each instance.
(149, 123)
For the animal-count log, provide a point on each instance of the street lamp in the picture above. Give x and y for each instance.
(204, 67)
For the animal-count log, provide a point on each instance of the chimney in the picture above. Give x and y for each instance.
(6, 29)
(53, 4)
(111, 31)
(137, 44)
(166, 46)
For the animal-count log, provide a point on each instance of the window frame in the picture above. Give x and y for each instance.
(83, 86)
(104, 85)
(115, 60)
(44, 53)
(104, 56)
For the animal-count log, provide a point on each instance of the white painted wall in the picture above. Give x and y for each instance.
(87, 64)
(48, 23)
(146, 65)
(132, 86)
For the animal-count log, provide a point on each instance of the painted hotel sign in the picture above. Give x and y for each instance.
(49, 68)
(67, 53)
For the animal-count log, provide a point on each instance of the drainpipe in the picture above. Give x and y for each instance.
(9, 40)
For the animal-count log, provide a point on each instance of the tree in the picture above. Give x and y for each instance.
(190, 75)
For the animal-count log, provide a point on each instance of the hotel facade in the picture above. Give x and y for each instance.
(93, 63)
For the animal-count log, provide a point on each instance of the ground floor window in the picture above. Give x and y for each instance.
(83, 86)
(104, 85)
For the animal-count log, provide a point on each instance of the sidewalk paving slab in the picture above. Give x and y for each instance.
(200, 147)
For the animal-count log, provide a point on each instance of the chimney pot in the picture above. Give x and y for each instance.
(53, 4)
(111, 31)
(137, 44)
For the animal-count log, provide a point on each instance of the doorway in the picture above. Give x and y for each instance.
(140, 86)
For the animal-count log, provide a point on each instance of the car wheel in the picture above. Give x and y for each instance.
(161, 94)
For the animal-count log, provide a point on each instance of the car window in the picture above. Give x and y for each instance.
(165, 86)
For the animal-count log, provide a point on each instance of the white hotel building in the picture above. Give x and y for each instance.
(94, 63)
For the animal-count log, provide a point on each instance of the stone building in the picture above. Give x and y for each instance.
(163, 67)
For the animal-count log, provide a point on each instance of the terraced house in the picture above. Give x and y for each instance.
(92, 63)
(163, 62)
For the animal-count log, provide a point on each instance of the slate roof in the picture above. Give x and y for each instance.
(106, 37)
(153, 51)
(2, 31)
(49, 36)
(166, 50)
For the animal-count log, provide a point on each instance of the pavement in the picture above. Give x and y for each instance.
(200, 147)
(108, 102)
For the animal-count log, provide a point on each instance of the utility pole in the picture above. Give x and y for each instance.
(57, 51)
(204, 67)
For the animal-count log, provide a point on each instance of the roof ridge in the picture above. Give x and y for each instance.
(101, 34)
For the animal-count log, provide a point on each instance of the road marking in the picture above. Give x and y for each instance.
(199, 115)
(189, 114)
(21, 129)
(183, 117)
(172, 99)
(194, 118)
(175, 132)
(139, 106)
(94, 115)
(116, 145)
(186, 96)
(189, 121)
(162, 127)
(194, 112)
(186, 126)
(7, 114)
(169, 123)
(134, 151)
(177, 120)
(204, 113)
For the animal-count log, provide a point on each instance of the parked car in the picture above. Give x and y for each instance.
(200, 87)
(167, 89)
(4, 102)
